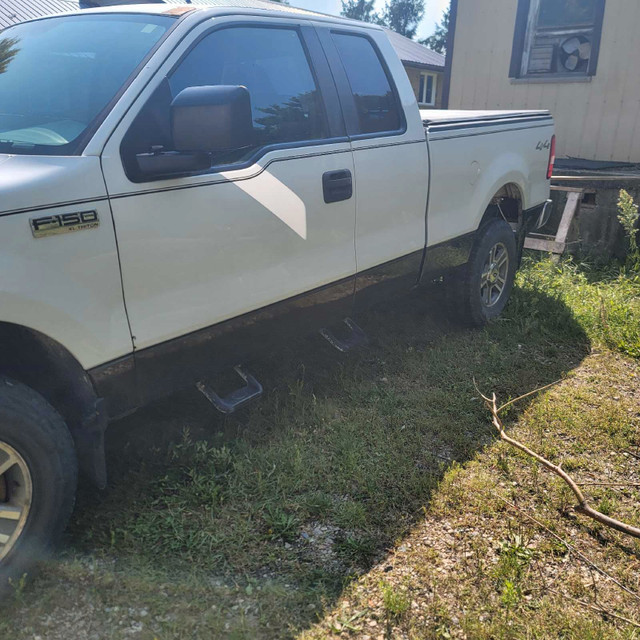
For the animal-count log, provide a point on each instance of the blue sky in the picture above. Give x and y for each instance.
(433, 13)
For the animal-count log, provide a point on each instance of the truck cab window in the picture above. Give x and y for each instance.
(58, 74)
(375, 100)
(271, 63)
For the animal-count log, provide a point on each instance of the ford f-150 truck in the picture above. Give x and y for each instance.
(182, 185)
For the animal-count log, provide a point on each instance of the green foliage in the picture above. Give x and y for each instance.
(515, 558)
(396, 602)
(363, 10)
(280, 524)
(607, 504)
(604, 303)
(8, 51)
(358, 550)
(438, 40)
(628, 217)
(511, 595)
(403, 16)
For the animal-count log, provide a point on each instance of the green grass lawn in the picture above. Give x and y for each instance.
(365, 494)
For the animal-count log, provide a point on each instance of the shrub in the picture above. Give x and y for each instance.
(628, 217)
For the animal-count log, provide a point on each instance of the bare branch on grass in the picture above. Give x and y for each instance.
(583, 506)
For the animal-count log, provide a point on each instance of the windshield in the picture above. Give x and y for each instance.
(58, 74)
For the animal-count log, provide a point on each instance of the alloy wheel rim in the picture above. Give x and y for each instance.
(494, 275)
(16, 492)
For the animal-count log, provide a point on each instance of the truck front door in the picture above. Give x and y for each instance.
(265, 225)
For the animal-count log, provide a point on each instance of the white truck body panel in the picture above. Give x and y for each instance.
(502, 151)
(390, 178)
(196, 257)
(68, 289)
(189, 252)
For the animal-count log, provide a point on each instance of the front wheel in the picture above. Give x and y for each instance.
(38, 476)
(480, 292)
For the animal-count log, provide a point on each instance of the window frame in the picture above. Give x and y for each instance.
(525, 27)
(320, 72)
(434, 88)
(345, 93)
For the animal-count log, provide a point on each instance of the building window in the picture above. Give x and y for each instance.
(557, 38)
(427, 89)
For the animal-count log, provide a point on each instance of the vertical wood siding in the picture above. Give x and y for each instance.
(598, 120)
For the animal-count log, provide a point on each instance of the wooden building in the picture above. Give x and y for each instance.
(578, 58)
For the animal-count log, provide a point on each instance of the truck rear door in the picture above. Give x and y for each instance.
(390, 156)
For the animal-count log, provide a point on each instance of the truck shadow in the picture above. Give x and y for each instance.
(313, 484)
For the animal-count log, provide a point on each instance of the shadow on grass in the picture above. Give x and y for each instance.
(313, 484)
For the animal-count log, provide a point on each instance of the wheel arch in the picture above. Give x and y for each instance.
(507, 203)
(47, 367)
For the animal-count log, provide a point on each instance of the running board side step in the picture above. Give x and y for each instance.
(236, 399)
(356, 337)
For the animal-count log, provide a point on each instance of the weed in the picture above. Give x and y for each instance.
(607, 504)
(395, 601)
(515, 558)
(628, 217)
(357, 549)
(18, 586)
(351, 515)
(317, 504)
(511, 595)
(280, 524)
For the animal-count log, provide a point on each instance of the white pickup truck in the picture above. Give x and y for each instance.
(182, 185)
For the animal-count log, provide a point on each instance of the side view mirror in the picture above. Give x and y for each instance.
(212, 119)
(204, 120)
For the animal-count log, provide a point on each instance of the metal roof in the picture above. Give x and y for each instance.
(13, 11)
(414, 53)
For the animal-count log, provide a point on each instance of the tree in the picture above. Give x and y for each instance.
(360, 10)
(403, 16)
(438, 41)
(8, 51)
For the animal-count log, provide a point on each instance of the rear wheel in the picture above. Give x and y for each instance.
(481, 290)
(38, 477)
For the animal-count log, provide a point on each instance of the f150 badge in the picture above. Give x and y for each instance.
(67, 222)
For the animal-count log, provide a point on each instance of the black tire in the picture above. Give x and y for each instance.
(466, 296)
(32, 428)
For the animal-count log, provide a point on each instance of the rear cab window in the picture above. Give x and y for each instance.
(376, 102)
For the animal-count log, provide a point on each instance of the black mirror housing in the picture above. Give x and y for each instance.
(212, 118)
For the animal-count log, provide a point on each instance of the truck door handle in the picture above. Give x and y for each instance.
(337, 186)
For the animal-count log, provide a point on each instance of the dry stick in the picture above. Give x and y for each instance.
(597, 607)
(568, 545)
(609, 484)
(583, 506)
(635, 455)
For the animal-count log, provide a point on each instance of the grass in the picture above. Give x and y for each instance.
(323, 510)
